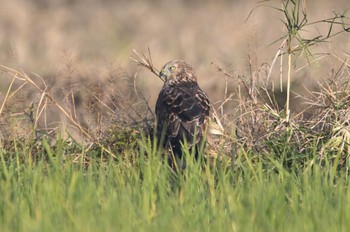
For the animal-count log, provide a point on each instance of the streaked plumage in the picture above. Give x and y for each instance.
(182, 108)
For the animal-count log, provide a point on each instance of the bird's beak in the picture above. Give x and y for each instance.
(162, 75)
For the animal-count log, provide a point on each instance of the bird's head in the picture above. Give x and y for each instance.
(177, 72)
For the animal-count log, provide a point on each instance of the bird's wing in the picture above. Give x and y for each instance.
(184, 112)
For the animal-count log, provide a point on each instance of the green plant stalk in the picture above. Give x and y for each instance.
(288, 84)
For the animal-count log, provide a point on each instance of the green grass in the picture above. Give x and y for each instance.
(58, 193)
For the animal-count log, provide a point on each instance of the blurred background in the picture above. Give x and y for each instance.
(91, 41)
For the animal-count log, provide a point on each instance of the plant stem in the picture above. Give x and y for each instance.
(288, 85)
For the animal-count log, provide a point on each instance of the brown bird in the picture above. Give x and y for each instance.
(182, 109)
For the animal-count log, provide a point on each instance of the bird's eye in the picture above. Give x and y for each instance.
(172, 68)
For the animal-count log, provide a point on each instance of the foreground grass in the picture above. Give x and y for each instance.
(55, 193)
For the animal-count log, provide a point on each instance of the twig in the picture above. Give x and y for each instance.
(145, 61)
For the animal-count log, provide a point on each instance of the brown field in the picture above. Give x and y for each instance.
(82, 49)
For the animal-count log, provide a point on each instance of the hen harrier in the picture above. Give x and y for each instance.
(182, 109)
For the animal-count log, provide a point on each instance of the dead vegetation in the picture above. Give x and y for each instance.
(116, 121)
